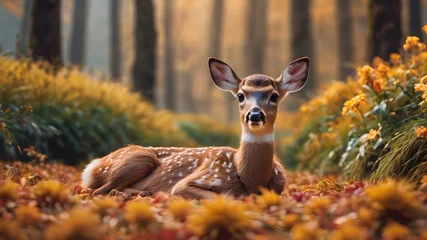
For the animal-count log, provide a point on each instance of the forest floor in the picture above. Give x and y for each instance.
(45, 201)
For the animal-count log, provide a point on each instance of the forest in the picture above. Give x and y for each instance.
(113, 124)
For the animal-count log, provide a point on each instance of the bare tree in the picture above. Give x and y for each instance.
(385, 32)
(115, 50)
(144, 69)
(45, 36)
(345, 40)
(415, 16)
(78, 36)
(25, 28)
(215, 38)
(169, 55)
(302, 42)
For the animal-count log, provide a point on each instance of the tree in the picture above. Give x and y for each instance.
(385, 32)
(144, 69)
(25, 28)
(256, 34)
(215, 38)
(345, 40)
(115, 54)
(78, 36)
(169, 55)
(301, 39)
(415, 17)
(45, 36)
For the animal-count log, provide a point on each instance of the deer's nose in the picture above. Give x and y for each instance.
(256, 115)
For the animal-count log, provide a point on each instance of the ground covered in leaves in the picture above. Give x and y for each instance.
(45, 201)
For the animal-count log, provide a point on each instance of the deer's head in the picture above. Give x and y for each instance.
(259, 95)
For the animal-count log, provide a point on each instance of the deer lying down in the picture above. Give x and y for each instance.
(204, 172)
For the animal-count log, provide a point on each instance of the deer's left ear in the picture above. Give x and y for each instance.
(295, 75)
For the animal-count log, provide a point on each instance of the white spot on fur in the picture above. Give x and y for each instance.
(224, 164)
(216, 182)
(248, 137)
(228, 155)
(199, 181)
(87, 176)
(230, 165)
(276, 171)
(180, 174)
(228, 178)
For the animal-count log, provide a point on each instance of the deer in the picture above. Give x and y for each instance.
(205, 172)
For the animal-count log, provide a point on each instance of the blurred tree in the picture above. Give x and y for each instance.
(385, 32)
(144, 68)
(345, 40)
(215, 38)
(256, 30)
(115, 54)
(25, 28)
(415, 16)
(301, 41)
(78, 36)
(45, 33)
(169, 55)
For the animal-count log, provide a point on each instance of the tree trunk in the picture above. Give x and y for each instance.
(25, 28)
(45, 36)
(78, 36)
(144, 69)
(256, 35)
(345, 40)
(115, 51)
(215, 37)
(385, 32)
(415, 17)
(169, 55)
(302, 42)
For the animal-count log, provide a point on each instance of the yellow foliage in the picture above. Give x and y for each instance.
(139, 213)
(396, 231)
(27, 215)
(180, 209)
(52, 191)
(219, 216)
(9, 189)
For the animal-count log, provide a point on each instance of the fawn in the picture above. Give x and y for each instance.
(204, 172)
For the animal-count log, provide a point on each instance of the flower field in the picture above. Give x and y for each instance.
(45, 201)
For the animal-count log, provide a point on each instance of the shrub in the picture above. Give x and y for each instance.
(367, 127)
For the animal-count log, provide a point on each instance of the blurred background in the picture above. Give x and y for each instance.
(177, 36)
(160, 47)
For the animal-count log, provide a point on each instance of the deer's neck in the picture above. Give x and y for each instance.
(254, 160)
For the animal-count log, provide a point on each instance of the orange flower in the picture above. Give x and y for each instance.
(395, 58)
(364, 74)
(352, 104)
(413, 43)
(422, 132)
(373, 134)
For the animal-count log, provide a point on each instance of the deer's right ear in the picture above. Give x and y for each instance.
(223, 76)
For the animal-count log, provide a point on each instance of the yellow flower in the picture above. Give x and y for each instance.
(348, 230)
(289, 220)
(423, 80)
(352, 104)
(382, 68)
(180, 209)
(220, 216)
(9, 229)
(424, 29)
(52, 192)
(139, 212)
(420, 87)
(9, 189)
(396, 198)
(366, 216)
(268, 198)
(413, 43)
(373, 134)
(395, 231)
(28, 215)
(103, 204)
(365, 74)
(422, 132)
(317, 205)
(82, 223)
(395, 58)
(306, 231)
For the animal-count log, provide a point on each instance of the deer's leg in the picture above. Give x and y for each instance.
(134, 166)
(277, 181)
(191, 192)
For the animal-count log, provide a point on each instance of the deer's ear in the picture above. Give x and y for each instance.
(295, 75)
(223, 76)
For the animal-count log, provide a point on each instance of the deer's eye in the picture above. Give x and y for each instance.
(274, 98)
(241, 97)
